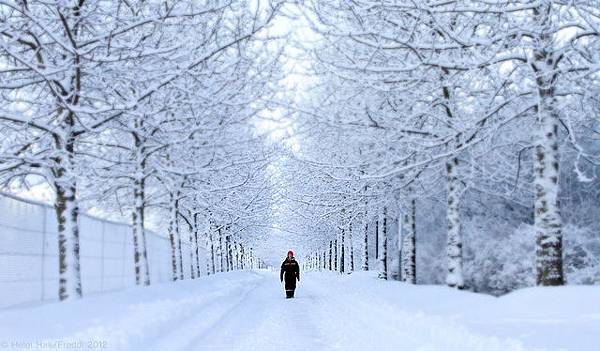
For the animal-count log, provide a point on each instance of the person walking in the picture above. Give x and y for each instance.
(290, 271)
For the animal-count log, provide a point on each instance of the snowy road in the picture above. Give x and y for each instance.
(264, 320)
(248, 311)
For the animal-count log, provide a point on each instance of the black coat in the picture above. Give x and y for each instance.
(290, 270)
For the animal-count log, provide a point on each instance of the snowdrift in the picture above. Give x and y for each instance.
(247, 311)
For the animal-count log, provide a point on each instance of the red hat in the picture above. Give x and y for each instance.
(290, 253)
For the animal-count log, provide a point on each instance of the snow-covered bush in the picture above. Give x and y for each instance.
(505, 264)
(582, 255)
(431, 264)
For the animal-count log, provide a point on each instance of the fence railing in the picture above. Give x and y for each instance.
(29, 253)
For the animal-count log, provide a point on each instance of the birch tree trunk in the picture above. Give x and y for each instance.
(454, 243)
(140, 253)
(178, 234)
(237, 256)
(330, 254)
(192, 250)
(547, 217)
(409, 254)
(210, 257)
(335, 255)
(342, 251)
(226, 241)
(454, 253)
(173, 235)
(229, 254)
(64, 172)
(197, 244)
(221, 256)
(365, 253)
(318, 260)
(67, 213)
(351, 247)
(240, 264)
(377, 241)
(383, 269)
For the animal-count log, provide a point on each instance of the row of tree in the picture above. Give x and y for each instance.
(143, 109)
(339, 255)
(417, 99)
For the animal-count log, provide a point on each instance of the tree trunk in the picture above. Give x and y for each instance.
(221, 256)
(66, 203)
(236, 255)
(178, 233)
(351, 247)
(211, 269)
(242, 257)
(197, 244)
(318, 254)
(140, 254)
(454, 244)
(377, 240)
(408, 239)
(67, 212)
(226, 241)
(210, 258)
(330, 254)
(229, 253)
(365, 254)
(335, 255)
(137, 228)
(342, 252)
(239, 256)
(454, 253)
(173, 235)
(547, 217)
(383, 269)
(192, 251)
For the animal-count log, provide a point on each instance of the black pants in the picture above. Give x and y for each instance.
(290, 287)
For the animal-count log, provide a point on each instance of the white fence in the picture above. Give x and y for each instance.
(29, 254)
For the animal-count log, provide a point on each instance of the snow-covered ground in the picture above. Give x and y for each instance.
(247, 311)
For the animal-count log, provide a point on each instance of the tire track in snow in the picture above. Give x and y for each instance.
(265, 321)
(151, 325)
(184, 335)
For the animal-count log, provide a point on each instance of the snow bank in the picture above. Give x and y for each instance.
(562, 318)
(245, 310)
(124, 320)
